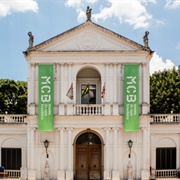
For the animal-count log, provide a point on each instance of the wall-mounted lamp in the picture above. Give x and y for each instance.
(130, 143)
(46, 144)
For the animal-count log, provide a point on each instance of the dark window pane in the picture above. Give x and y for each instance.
(166, 158)
(11, 158)
(89, 98)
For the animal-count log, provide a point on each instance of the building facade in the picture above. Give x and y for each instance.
(88, 139)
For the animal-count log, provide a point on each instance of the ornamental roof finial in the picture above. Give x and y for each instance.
(31, 40)
(146, 39)
(88, 14)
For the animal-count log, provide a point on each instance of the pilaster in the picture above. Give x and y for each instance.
(69, 172)
(115, 171)
(107, 171)
(61, 171)
(145, 171)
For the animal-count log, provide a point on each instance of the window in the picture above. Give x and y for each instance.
(89, 98)
(166, 158)
(11, 158)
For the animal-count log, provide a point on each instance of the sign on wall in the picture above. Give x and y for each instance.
(131, 97)
(45, 98)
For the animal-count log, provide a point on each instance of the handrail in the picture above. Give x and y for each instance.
(15, 118)
(164, 118)
(13, 173)
(168, 173)
(88, 109)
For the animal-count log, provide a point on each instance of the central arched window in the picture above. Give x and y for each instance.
(88, 77)
(88, 138)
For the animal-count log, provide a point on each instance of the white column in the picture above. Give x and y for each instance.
(114, 90)
(115, 148)
(145, 169)
(32, 83)
(107, 172)
(31, 170)
(144, 147)
(145, 90)
(31, 87)
(58, 83)
(32, 148)
(62, 84)
(61, 90)
(115, 82)
(107, 107)
(69, 172)
(69, 80)
(144, 83)
(61, 171)
(107, 83)
(69, 101)
(69, 164)
(61, 149)
(115, 173)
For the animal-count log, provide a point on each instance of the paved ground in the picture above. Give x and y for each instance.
(167, 178)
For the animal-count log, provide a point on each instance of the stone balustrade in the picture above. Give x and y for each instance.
(165, 118)
(9, 118)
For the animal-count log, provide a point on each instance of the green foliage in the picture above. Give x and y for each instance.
(13, 97)
(165, 91)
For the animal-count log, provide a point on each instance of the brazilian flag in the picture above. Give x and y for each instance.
(86, 91)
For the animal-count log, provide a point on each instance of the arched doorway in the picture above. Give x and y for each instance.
(88, 162)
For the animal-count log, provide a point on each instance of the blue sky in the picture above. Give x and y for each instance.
(48, 18)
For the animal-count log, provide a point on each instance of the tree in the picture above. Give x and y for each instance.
(13, 97)
(165, 91)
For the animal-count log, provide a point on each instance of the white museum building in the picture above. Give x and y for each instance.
(89, 112)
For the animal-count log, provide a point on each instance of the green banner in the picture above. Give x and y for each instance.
(131, 97)
(45, 98)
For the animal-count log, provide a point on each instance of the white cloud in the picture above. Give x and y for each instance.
(92, 1)
(157, 64)
(73, 3)
(172, 4)
(7, 7)
(131, 12)
(178, 46)
(158, 21)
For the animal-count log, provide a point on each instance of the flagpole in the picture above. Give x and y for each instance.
(88, 93)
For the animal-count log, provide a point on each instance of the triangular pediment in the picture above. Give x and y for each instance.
(89, 37)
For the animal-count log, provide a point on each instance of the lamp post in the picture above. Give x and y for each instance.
(130, 143)
(46, 144)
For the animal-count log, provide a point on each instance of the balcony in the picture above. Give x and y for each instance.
(92, 109)
(165, 118)
(9, 118)
(165, 173)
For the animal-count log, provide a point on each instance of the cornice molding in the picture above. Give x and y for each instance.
(134, 52)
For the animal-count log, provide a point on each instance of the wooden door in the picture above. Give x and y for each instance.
(88, 162)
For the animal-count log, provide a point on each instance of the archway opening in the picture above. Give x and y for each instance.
(88, 161)
(88, 78)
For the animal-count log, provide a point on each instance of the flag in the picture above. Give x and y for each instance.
(86, 91)
(70, 92)
(103, 91)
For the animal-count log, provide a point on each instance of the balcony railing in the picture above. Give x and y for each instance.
(169, 173)
(94, 109)
(13, 173)
(7, 118)
(165, 118)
